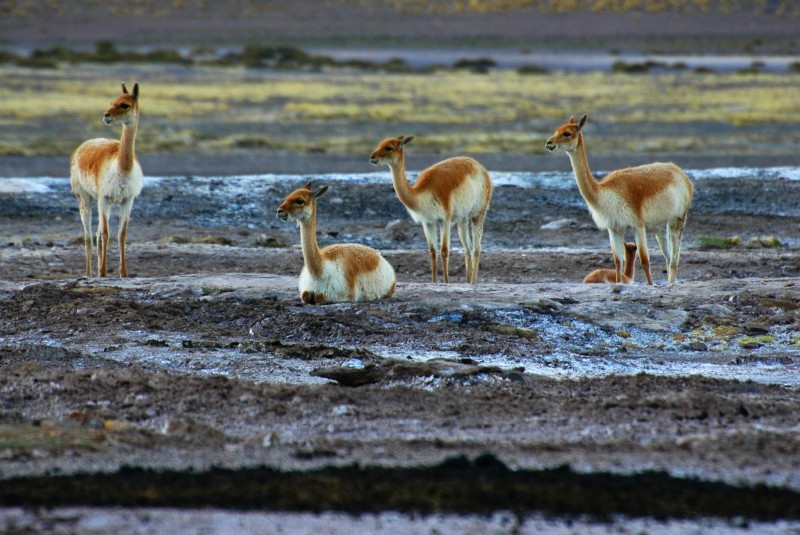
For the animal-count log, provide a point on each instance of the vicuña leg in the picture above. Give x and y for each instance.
(618, 252)
(102, 244)
(644, 255)
(85, 205)
(465, 235)
(445, 250)
(662, 238)
(432, 238)
(477, 236)
(124, 217)
(675, 233)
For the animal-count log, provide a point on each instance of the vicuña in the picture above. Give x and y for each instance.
(454, 190)
(107, 170)
(339, 272)
(610, 275)
(653, 197)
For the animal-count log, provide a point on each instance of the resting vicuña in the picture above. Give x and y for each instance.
(454, 190)
(107, 170)
(610, 275)
(336, 273)
(653, 197)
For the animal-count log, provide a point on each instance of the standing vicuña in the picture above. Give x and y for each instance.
(610, 275)
(457, 189)
(107, 170)
(654, 197)
(340, 272)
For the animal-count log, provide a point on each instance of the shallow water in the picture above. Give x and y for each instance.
(580, 61)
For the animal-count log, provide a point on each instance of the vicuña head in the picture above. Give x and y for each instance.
(454, 190)
(653, 197)
(336, 273)
(107, 170)
(609, 275)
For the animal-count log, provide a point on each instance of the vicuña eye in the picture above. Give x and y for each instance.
(567, 134)
(299, 202)
(388, 149)
(124, 106)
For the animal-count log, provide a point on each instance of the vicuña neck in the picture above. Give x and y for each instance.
(630, 265)
(308, 239)
(402, 188)
(126, 146)
(583, 176)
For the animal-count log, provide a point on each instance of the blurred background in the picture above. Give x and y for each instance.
(243, 86)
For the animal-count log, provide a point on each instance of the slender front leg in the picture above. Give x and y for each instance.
(445, 250)
(644, 255)
(477, 237)
(618, 251)
(675, 233)
(85, 205)
(123, 232)
(103, 209)
(462, 235)
(124, 217)
(663, 239)
(432, 238)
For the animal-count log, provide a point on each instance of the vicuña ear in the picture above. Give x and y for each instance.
(571, 119)
(407, 139)
(136, 91)
(583, 121)
(319, 193)
(124, 89)
(308, 185)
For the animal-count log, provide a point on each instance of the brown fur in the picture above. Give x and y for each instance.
(443, 178)
(295, 201)
(92, 158)
(356, 259)
(637, 192)
(644, 194)
(89, 164)
(609, 276)
(438, 185)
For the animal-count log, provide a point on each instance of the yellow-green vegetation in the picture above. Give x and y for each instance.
(207, 240)
(726, 332)
(753, 342)
(715, 242)
(521, 332)
(24, 438)
(718, 337)
(778, 7)
(238, 109)
(765, 241)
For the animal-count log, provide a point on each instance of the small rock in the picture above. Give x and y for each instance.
(399, 230)
(696, 346)
(754, 329)
(714, 310)
(559, 224)
(344, 410)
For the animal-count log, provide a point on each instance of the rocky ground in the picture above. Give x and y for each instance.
(206, 365)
